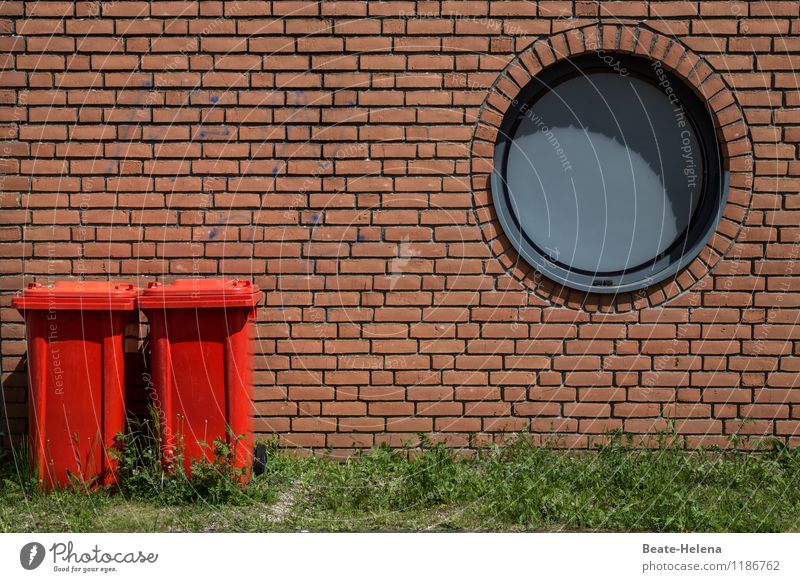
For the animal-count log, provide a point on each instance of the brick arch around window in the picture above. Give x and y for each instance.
(732, 134)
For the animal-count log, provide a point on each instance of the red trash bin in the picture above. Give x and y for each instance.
(76, 377)
(202, 365)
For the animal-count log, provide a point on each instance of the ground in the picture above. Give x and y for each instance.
(515, 488)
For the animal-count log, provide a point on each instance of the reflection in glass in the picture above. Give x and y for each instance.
(604, 173)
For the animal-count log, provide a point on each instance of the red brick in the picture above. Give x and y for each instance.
(324, 150)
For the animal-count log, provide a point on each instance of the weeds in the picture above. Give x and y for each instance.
(219, 480)
(517, 487)
(142, 474)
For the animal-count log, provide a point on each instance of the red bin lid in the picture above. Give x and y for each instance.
(199, 293)
(78, 295)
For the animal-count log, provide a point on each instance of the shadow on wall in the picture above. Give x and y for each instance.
(14, 405)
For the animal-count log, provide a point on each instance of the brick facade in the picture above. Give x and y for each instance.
(338, 153)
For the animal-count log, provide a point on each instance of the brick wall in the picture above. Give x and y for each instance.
(337, 153)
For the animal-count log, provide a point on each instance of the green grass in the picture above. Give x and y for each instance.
(518, 487)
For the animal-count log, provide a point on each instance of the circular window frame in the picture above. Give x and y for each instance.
(686, 247)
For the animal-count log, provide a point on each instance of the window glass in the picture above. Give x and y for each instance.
(603, 176)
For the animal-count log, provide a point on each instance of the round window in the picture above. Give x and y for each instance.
(608, 174)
